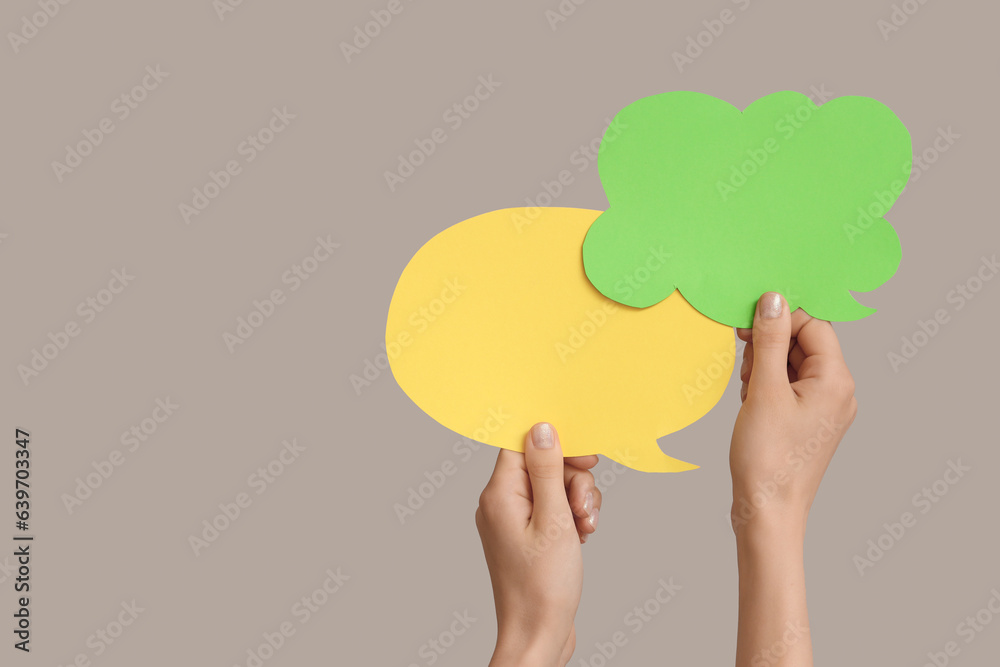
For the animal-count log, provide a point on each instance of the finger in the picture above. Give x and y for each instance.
(510, 465)
(817, 337)
(799, 318)
(772, 328)
(544, 460)
(747, 366)
(796, 357)
(587, 527)
(582, 492)
(585, 501)
(582, 462)
(510, 476)
(746, 335)
(821, 348)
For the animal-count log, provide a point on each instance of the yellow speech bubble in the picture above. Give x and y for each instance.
(494, 326)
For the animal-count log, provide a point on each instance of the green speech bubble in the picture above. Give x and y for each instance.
(725, 205)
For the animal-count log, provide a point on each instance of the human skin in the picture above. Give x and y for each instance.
(797, 403)
(533, 517)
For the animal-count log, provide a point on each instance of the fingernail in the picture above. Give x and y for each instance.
(594, 516)
(770, 306)
(583, 540)
(743, 392)
(541, 436)
(588, 503)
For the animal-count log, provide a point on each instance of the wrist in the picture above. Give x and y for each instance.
(756, 523)
(772, 534)
(520, 651)
(770, 514)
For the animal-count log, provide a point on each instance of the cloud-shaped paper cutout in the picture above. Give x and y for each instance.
(725, 205)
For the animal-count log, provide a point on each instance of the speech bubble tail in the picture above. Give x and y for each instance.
(649, 459)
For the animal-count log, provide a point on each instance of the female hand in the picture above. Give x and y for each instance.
(798, 401)
(532, 518)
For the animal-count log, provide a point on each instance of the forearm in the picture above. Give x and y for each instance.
(530, 637)
(773, 619)
(525, 652)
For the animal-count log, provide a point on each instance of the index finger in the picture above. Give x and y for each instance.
(509, 480)
(817, 351)
(511, 473)
(508, 461)
(582, 462)
(815, 337)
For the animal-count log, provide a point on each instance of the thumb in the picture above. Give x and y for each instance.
(544, 461)
(772, 331)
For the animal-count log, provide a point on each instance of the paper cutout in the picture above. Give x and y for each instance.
(494, 326)
(724, 206)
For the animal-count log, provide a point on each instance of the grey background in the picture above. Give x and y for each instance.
(333, 507)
